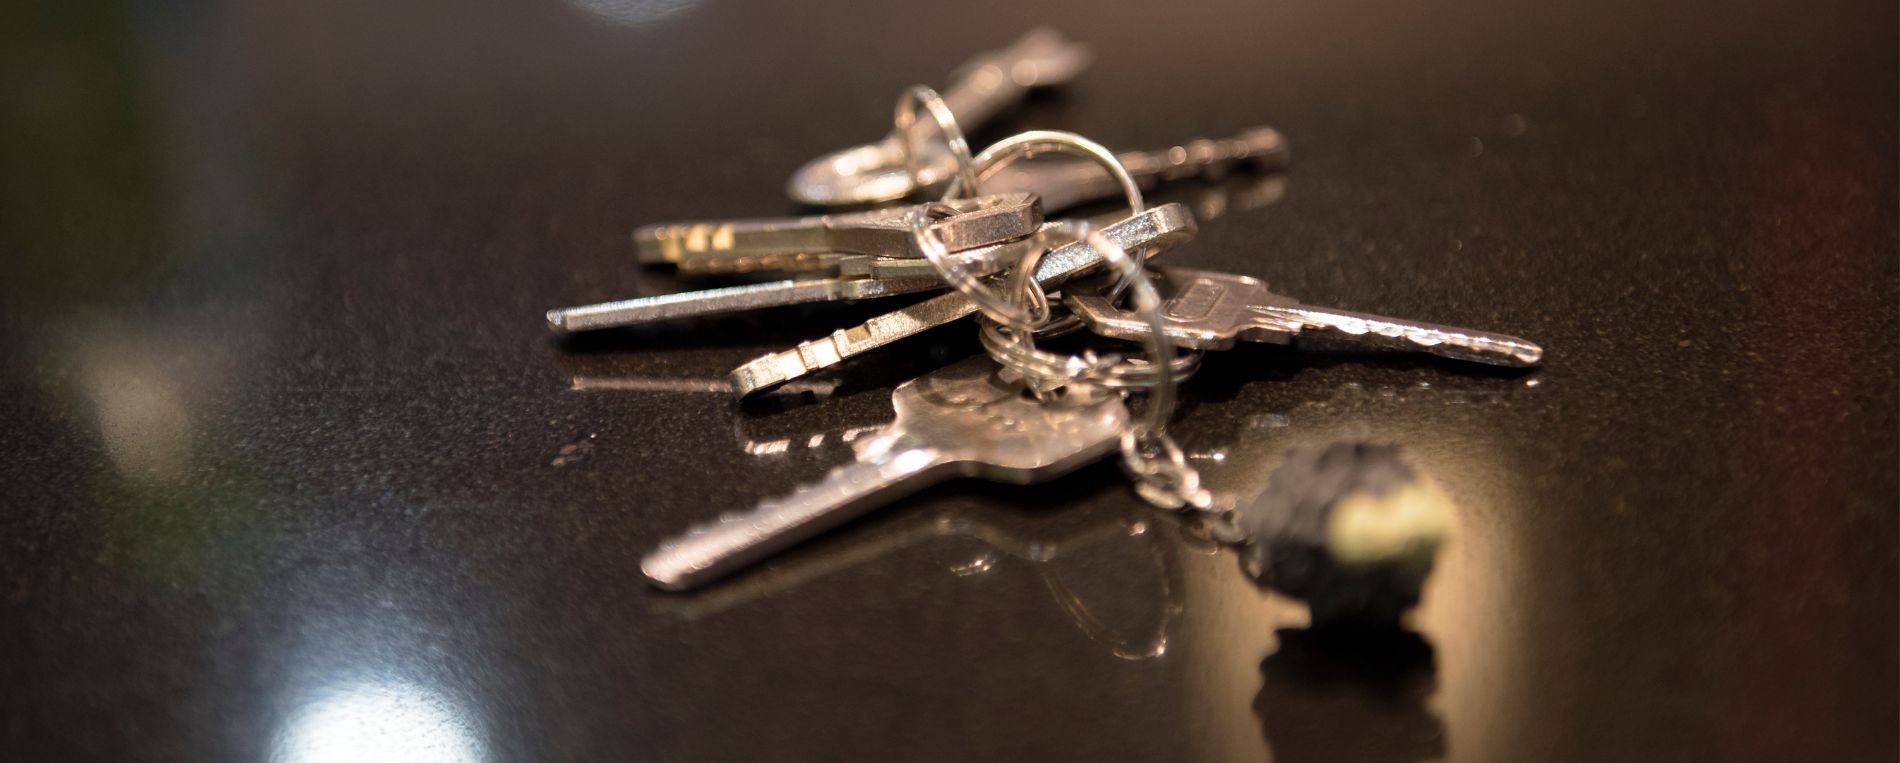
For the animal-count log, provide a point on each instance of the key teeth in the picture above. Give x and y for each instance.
(761, 373)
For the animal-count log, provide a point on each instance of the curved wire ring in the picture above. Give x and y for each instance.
(1015, 347)
(999, 155)
(1024, 145)
(1148, 306)
(1053, 370)
(906, 116)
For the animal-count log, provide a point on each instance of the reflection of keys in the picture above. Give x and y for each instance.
(1209, 311)
(962, 420)
(1141, 235)
(798, 243)
(875, 173)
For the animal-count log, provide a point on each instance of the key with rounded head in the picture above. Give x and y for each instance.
(962, 420)
(1141, 236)
(797, 243)
(1205, 310)
(876, 173)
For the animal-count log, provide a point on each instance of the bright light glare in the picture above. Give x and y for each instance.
(378, 723)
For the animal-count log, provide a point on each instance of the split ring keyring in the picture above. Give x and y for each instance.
(997, 156)
(1015, 348)
(906, 116)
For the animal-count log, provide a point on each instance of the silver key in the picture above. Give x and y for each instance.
(1206, 310)
(962, 420)
(1141, 236)
(799, 243)
(876, 173)
(733, 299)
(982, 260)
(1066, 181)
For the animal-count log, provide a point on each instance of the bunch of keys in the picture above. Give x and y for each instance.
(991, 242)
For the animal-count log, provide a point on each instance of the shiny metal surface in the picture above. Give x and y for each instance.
(1146, 233)
(981, 260)
(1067, 182)
(958, 420)
(1206, 310)
(291, 471)
(745, 245)
(706, 303)
(986, 85)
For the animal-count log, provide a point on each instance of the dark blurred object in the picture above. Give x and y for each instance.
(1350, 696)
(1350, 529)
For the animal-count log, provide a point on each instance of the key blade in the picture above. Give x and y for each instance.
(762, 373)
(732, 299)
(1393, 333)
(754, 243)
(712, 551)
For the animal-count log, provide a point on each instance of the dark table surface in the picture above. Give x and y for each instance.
(291, 467)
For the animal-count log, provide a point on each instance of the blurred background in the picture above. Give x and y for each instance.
(290, 468)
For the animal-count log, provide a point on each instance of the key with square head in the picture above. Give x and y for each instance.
(961, 420)
(802, 243)
(1205, 310)
(1141, 236)
(877, 173)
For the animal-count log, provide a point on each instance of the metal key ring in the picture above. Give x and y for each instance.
(1026, 145)
(1014, 346)
(1055, 369)
(997, 156)
(906, 117)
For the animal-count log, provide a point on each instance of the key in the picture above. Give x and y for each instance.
(1141, 236)
(795, 243)
(1065, 181)
(860, 277)
(982, 260)
(1205, 310)
(732, 299)
(876, 173)
(962, 420)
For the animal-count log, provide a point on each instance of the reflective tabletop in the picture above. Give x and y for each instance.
(292, 469)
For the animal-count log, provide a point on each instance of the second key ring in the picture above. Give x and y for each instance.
(920, 96)
(1001, 154)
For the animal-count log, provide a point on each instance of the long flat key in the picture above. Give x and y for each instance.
(1206, 310)
(876, 173)
(1066, 181)
(1141, 236)
(732, 299)
(982, 260)
(962, 420)
(787, 243)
